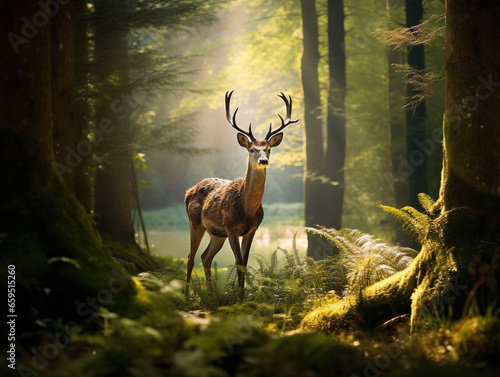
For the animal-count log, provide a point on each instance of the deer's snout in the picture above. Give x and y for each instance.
(263, 161)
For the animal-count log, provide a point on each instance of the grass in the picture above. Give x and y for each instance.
(217, 332)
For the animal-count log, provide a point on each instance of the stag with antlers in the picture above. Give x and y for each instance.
(233, 209)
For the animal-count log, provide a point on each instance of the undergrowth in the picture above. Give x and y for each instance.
(217, 331)
(163, 343)
(290, 285)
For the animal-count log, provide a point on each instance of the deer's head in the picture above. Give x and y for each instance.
(259, 150)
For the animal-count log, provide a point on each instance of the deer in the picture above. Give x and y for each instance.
(232, 209)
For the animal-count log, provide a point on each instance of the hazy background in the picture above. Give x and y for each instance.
(250, 52)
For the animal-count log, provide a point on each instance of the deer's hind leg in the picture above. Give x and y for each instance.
(208, 255)
(196, 233)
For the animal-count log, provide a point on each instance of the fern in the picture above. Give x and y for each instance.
(294, 283)
(362, 258)
(426, 202)
(415, 222)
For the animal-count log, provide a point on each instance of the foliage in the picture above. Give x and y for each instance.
(415, 35)
(241, 338)
(413, 221)
(360, 260)
(161, 343)
(60, 261)
(424, 82)
(238, 343)
(299, 284)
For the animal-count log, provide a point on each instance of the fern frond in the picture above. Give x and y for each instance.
(263, 265)
(274, 262)
(426, 201)
(412, 220)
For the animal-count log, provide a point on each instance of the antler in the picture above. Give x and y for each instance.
(232, 121)
(284, 122)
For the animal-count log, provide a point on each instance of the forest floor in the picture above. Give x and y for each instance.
(215, 331)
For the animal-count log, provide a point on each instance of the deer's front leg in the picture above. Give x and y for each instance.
(245, 246)
(238, 257)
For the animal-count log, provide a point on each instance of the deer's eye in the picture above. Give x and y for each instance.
(252, 150)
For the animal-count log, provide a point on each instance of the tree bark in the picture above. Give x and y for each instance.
(82, 107)
(333, 198)
(63, 109)
(397, 178)
(457, 267)
(58, 257)
(313, 124)
(112, 187)
(415, 120)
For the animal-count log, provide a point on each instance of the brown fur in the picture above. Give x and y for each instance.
(228, 209)
(232, 209)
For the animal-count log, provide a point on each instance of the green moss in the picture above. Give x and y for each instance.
(59, 258)
(445, 276)
(437, 371)
(304, 355)
(132, 257)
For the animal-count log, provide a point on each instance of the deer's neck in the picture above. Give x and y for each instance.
(253, 189)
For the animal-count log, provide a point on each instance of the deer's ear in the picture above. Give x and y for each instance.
(243, 141)
(276, 140)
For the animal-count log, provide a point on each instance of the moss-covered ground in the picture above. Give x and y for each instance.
(212, 332)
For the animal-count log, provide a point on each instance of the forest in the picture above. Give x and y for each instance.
(132, 146)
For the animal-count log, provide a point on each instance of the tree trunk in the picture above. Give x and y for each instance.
(112, 187)
(63, 52)
(397, 178)
(333, 198)
(415, 120)
(313, 124)
(82, 107)
(457, 267)
(57, 254)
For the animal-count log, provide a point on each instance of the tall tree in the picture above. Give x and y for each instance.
(457, 266)
(415, 119)
(127, 70)
(324, 172)
(82, 106)
(62, 260)
(64, 135)
(112, 187)
(336, 132)
(396, 91)
(312, 122)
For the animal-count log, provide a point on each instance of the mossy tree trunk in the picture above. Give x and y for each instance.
(469, 203)
(58, 256)
(457, 266)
